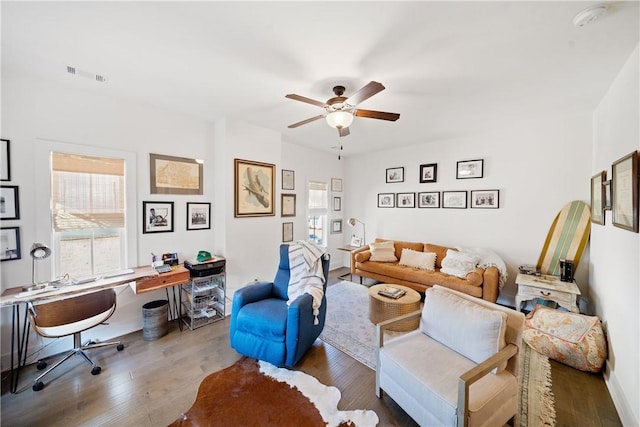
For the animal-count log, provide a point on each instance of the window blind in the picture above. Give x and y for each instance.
(87, 192)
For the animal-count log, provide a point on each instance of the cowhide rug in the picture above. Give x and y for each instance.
(249, 393)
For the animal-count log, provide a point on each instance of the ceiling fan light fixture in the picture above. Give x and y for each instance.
(339, 119)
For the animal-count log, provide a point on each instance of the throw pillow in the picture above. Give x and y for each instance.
(382, 252)
(421, 260)
(459, 264)
(474, 331)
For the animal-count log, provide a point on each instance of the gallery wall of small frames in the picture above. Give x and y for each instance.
(428, 173)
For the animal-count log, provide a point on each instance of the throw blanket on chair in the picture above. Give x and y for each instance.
(306, 275)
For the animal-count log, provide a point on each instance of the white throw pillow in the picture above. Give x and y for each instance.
(417, 259)
(459, 264)
(468, 328)
(383, 252)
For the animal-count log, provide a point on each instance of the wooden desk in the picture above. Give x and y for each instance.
(143, 279)
(549, 288)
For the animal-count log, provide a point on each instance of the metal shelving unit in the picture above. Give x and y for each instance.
(203, 300)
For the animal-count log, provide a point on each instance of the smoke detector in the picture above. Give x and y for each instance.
(589, 15)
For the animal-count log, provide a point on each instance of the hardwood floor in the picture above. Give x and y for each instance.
(150, 383)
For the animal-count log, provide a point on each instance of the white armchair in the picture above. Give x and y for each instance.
(460, 367)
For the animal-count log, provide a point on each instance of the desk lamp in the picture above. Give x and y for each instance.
(352, 222)
(38, 251)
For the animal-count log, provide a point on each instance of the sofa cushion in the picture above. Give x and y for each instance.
(459, 264)
(382, 252)
(421, 260)
(440, 251)
(399, 245)
(470, 329)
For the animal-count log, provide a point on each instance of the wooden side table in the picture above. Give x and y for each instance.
(383, 308)
(348, 248)
(549, 288)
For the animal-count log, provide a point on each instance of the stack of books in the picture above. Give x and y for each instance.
(391, 292)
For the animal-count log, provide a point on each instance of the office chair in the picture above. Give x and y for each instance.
(71, 316)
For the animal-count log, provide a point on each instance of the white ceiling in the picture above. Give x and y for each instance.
(450, 68)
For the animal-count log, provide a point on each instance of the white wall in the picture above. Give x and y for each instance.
(615, 253)
(34, 111)
(538, 166)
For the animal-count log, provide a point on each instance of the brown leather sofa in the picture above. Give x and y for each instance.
(482, 282)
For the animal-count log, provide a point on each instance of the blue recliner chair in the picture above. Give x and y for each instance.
(264, 327)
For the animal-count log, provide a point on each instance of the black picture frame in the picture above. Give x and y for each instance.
(429, 199)
(386, 200)
(607, 195)
(9, 202)
(5, 160)
(597, 197)
(395, 175)
(470, 169)
(406, 200)
(429, 173)
(337, 203)
(10, 237)
(198, 216)
(157, 217)
(624, 192)
(454, 199)
(485, 199)
(336, 226)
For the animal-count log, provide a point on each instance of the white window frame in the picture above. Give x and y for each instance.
(43, 222)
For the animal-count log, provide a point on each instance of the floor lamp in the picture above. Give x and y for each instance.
(38, 251)
(352, 222)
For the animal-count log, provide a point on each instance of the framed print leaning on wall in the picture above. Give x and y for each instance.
(624, 189)
(254, 188)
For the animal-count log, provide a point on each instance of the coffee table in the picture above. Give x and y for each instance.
(384, 308)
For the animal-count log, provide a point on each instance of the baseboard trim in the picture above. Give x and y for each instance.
(619, 399)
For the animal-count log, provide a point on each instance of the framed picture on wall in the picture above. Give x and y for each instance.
(336, 185)
(337, 203)
(624, 189)
(10, 239)
(198, 216)
(429, 172)
(288, 179)
(386, 200)
(5, 160)
(175, 175)
(9, 202)
(597, 197)
(254, 188)
(336, 226)
(157, 217)
(395, 175)
(429, 199)
(406, 200)
(288, 205)
(454, 199)
(468, 169)
(485, 199)
(287, 232)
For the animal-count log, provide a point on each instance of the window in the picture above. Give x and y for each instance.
(318, 208)
(88, 214)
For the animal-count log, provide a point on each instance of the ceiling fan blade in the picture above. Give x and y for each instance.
(343, 131)
(370, 114)
(305, 99)
(366, 92)
(304, 122)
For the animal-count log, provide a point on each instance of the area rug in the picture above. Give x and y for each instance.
(347, 328)
(251, 393)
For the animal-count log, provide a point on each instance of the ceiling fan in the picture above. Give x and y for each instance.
(340, 110)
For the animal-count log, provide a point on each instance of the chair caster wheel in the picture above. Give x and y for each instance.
(120, 347)
(38, 386)
(41, 365)
(96, 370)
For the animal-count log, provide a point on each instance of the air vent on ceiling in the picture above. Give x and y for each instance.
(77, 72)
